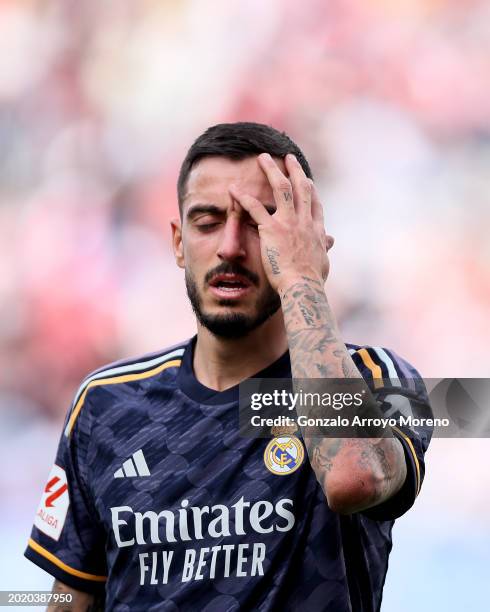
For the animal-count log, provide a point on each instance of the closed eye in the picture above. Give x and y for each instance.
(206, 227)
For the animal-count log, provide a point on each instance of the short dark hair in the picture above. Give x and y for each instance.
(238, 141)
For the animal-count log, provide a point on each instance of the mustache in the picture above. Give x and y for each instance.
(227, 267)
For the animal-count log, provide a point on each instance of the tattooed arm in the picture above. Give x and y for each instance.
(81, 602)
(355, 473)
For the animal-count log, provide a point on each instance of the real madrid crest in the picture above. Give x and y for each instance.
(284, 455)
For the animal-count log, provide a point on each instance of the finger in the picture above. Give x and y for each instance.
(254, 207)
(330, 241)
(301, 186)
(316, 206)
(281, 186)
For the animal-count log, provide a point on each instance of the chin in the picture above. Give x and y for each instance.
(232, 306)
(235, 317)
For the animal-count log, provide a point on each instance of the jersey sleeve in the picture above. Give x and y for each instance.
(401, 394)
(67, 539)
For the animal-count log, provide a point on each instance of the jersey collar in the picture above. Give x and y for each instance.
(188, 383)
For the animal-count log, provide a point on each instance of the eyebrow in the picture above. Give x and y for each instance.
(204, 208)
(217, 210)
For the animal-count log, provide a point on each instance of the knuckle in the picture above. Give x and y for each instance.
(306, 186)
(284, 185)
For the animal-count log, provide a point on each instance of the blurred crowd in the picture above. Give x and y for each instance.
(390, 101)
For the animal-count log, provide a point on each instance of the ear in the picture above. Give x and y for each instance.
(177, 241)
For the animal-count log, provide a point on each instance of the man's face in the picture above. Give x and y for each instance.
(218, 245)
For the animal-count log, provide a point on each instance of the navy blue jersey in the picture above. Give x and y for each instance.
(156, 501)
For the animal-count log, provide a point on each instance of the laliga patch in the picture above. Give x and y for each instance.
(51, 514)
(284, 455)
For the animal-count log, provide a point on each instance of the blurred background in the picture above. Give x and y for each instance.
(390, 101)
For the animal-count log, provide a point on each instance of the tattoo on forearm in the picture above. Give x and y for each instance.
(308, 314)
(314, 342)
(378, 463)
(323, 370)
(381, 461)
(322, 451)
(272, 255)
(317, 350)
(313, 280)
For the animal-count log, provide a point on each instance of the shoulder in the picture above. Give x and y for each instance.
(381, 362)
(134, 368)
(125, 371)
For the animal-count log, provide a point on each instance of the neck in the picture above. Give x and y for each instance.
(221, 363)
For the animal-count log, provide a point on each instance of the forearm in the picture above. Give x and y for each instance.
(355, 473)
(315, 345)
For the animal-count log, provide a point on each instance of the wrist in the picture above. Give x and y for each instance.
(302, 281)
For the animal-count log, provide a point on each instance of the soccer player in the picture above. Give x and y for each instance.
(155, 502)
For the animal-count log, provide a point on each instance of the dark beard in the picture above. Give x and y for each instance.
(232, 324)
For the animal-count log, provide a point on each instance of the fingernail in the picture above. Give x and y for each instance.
(292, 157)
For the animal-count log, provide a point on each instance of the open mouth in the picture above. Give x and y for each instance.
(229, 285)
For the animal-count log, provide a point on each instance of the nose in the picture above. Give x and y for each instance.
(231, 246)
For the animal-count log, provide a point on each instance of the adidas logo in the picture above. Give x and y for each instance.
(134, 466)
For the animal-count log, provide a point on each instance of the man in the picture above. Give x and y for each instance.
(155, 502)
